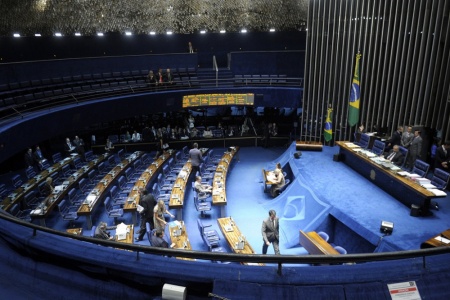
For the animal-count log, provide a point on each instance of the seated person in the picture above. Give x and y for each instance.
(207, 134)
(101, 233)
(278, 183)
(157, 240)
(203, 190)
(395, 156)
(47, 189)
(109, 145)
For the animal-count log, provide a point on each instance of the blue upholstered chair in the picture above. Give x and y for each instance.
(21, 214)
(30, 172)
(421, 168)
(363, 141)
(440, 179)
(340, 250)
(68, 212)
(202, 206)
(112, 210)
(324, 235)
(378, 147)
(209, 236)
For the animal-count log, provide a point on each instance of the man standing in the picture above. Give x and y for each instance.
(147, 201)
(396, 138)
(270, 232)
(68, 147)
(407, 137)
(29, 161)
(415, 149)
(195, 155)
(79, 146)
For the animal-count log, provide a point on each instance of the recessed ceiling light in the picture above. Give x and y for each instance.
(37, 34)
(272, 29)
(169, 32)
(58, 34)
(128, 33)
(202, 31)
(152, 33)
(77, 34)
(222, 31)
(16, 35)
(99, 33)
(244, 31)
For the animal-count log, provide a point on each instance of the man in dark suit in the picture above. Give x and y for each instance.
(396, 138)
(29, 161)
(147, 201)
(79, 146)
(68, 147)
(442, 156)
(270, 232)
(395, 156)
(157, 240)
(196, 158)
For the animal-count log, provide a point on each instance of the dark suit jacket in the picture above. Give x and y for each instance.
(148, 203)
(440, 157)
(396, 138)
(270, 232)
(397, 159)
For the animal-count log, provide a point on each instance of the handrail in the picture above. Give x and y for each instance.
(217, 70)
(253, 258)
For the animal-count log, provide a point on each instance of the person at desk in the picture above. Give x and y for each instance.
(395, 156)
(68, 147)
(277, 183)
(195, 155)
(158, 215)
(442, 156)
(203, 190)
(47, 188)
(270, 232)
(102, 233)
(109, 145)
(157, 240)
(147, 201)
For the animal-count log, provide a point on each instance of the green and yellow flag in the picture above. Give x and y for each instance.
(355, 93)
(328, 130)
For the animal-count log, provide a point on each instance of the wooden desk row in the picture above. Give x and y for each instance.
(97, 194)
(219, 196)
(49, 203)
(142, 182)
(440, 240)
(314, 244)
(233, 235)
(181, 241)
(18, 194)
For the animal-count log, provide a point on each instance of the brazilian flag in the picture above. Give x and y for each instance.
(355, 93)
(328, 130)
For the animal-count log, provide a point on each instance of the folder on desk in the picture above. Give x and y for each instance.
(437, 192)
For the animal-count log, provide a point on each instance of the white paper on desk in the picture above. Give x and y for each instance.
(428, 186)
(438, 192)
(351, 145)
(442, 239)
(403, 173)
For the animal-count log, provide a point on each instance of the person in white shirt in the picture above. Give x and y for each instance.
(136, 137)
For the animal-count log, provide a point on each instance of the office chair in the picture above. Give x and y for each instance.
(202, 206)
(112, 210)
(421, 168)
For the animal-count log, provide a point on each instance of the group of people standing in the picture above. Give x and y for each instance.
(407, 139)
(75, 146)
(160, 78)
(34, 159)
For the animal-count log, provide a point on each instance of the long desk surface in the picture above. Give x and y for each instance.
(181, 241)
(55, 198)
(19, 194)
(98, 193)
(219, 196)
(405, 190)
(146, 177)
(232, 234)
(314, 244)
(439, 240)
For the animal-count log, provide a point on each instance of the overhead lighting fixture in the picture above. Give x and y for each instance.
(58, 34)
(202, 31)
(16, 35)
(77, 34)
(128, 33)
(272, 29)
(222, 31)
(37, 34)
(169, 32)
(152, 33)
(99, 33)
(244, 31)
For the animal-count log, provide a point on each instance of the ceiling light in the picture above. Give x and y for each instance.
(272, 29)
(99, 33)
(244, 31)
(77, 34)
(152, 33)
(202, 31)
(128, 33)
(16, 35)
(37, 34)
(222, 31)
(169, 32)
(58, 34)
